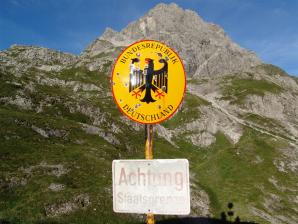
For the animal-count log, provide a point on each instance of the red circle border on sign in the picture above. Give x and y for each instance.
(111, 82)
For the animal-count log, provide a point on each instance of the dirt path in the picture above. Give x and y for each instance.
(244, 122)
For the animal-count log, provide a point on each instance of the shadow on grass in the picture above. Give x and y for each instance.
(200, 220)
(226, 217)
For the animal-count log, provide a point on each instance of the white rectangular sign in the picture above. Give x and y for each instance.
(159, 186)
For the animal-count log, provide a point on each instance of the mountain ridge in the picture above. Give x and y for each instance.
(200, 44)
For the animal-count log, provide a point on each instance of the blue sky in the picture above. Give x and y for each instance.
(268, 27)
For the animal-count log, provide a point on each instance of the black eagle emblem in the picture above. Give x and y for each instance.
(150, 80)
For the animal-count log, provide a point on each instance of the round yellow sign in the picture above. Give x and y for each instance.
(148, 82)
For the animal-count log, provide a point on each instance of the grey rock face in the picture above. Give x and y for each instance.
(118, 39)
(54, 170)
(89, 129)
(204, 47)
(37, 56)
(19, 59)
(21, 102)
(96, 47)
(56, 187)
(49, 132)
(81, 201)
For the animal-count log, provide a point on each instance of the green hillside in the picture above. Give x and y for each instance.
(61, 130)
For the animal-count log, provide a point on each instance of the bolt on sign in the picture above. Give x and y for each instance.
(151, 186)
(148, 82)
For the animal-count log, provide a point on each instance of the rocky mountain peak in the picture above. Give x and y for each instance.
(164, 18)
(205, 48)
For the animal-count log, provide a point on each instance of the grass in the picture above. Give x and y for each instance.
(89, 165)
(188, 112)
(272, 69)
(80, 74)
(236, 90)
(100, 55)
(265, 122)
(7, 87)
(197, 81)
(228, 173)
(231, 177)
(225, 175)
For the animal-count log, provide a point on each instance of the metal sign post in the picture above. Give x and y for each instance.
(149, 141)
(149, 155)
